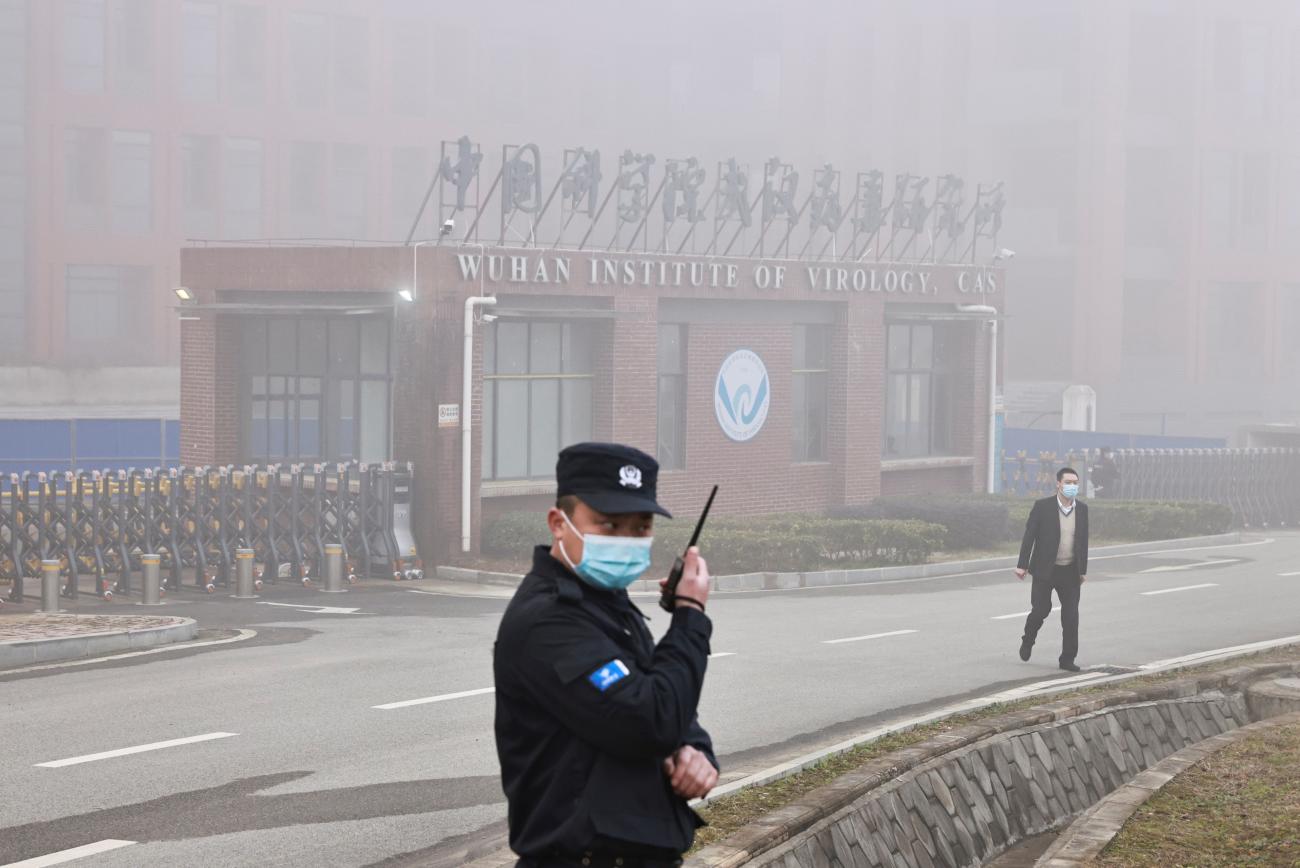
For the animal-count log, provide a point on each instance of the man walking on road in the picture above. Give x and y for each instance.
(1055, 553)
(596, 725)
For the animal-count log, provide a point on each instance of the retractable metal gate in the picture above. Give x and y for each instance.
(1260, 486)
(99, 524)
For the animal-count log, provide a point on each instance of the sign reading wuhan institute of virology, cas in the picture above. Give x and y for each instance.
(679, 272)
(742, 395)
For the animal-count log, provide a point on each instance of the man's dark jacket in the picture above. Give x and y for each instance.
(581, 746)
(1043, 538)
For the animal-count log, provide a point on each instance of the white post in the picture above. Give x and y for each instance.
(992, 312)
(467, 391)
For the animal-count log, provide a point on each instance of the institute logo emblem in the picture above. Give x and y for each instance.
(742, 395)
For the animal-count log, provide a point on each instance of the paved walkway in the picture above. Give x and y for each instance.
(36, 626)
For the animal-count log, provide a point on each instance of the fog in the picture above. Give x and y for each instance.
(1149, 153)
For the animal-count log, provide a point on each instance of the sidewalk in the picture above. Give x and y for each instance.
(34, 637)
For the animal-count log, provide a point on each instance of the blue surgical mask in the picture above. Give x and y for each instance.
(1070, 490)
(610, 562)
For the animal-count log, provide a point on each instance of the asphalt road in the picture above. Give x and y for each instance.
(281, 755)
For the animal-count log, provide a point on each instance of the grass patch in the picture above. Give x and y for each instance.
(731, 813)
(1238, 807)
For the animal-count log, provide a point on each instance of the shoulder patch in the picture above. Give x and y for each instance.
(608, 675)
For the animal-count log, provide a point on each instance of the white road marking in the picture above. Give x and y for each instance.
(1173, 568)
(865, 638)
(315, 610)
(722, 654)
(63, 856)
(243, 634)
(1175, 590)
(1020, 615)
(1296, 573)
(407, 703)
(126, 751)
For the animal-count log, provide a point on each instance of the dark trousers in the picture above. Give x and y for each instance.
(1065, 582)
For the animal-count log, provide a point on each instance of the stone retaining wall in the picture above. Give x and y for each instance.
(967, 806)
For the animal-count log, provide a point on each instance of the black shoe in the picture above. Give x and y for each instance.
(1026, 648)
(1070, 667)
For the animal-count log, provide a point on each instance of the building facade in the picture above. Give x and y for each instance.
(1149, 150)
(796, 386)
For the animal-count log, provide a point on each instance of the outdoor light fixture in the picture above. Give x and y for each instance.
(184, 294)
(406, 295)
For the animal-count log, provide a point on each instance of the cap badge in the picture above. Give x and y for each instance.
(629, 476)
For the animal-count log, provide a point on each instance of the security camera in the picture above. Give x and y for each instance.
(447, 226)
(488, 318)
(1004, 253)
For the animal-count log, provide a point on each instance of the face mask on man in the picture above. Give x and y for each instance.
(1070, 490)
(610, 562)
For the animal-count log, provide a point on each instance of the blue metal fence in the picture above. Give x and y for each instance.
(35, 445)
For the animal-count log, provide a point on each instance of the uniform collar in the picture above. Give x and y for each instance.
(571, 588)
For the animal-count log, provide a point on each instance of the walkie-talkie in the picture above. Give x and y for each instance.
(675, 576)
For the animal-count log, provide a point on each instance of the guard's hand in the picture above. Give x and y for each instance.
(695, 578)
(1082, 579)
(691, 774)
(1020, 574)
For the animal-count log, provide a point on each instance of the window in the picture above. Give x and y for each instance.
(1151, 197)
(1234, 330)
(671, 450)
(242, 189)
(536, 395)
(316, 388)
(198, 53)
(83, 45)
(199, 186)
(1236, 189)
(1242, 72)
(107, 309)
(918, 399)
(245, 54)
(133, 47)
(410, 68)
(348, 191)
(308, 70)
(351, 64)
(413, 169)
(1288, 333)
(85, 178)
(1153, 330)
(808, 391)
(131, 182)
(307, 178)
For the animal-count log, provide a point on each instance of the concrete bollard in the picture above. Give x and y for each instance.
(334, 569)
(244, 575)
(150, 580)
(50, 578)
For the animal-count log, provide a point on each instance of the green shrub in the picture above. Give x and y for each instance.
(750, 544)
(513, 534)
(970, 523)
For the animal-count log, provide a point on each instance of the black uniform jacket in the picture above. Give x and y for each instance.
(587, 709)
(1043, 538)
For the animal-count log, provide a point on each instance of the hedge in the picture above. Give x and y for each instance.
(771, 543)
(890, 531)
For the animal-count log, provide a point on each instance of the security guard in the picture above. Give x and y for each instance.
(596, 726)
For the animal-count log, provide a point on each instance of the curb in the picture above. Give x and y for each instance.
(775, 828)
(873, 575)
(25, 652)
(1087, 836)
